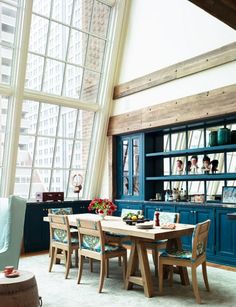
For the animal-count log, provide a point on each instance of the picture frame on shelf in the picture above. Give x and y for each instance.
(229, 195)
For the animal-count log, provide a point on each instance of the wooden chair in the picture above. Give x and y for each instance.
(62, 244)
(92, 245)
(63, 211)
(188, 258)
(156, 246)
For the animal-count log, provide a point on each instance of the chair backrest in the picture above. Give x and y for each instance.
(199, 239)
(61, 211)
(124, 212)
(91, 236)
(59, 229)
(12, 218)
(167, 217)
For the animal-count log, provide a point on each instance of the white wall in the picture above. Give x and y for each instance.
(164, 32)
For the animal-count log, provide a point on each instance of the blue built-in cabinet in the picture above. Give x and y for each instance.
(147, 168)
(221, 247)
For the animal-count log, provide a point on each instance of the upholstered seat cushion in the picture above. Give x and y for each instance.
(185, 254)
(93, 243)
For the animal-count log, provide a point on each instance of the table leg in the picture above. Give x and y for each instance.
(139, 259)
(145, 269)
(132, 265)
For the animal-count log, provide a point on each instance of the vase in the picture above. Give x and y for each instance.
(223, 136)
(102, 215)
(213, 138)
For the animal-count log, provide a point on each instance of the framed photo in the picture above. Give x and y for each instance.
(229, 195)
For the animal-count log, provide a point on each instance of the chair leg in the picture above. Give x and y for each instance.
(119, 260)
(76, 258)
(102, 274)
(124, 267)
(195, 285)
(81, 262)
(155, 260)
(68, 262)
(204, 273)
(107, 268)
(160, 276)
(91, 264)
(53, 254)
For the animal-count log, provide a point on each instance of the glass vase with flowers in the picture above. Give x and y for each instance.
(102, 206)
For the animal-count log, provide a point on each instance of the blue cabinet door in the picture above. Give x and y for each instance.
(201, 215)
(225, 237)
(186, 217)
(130, 165)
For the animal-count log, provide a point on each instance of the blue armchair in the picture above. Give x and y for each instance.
(12, 217)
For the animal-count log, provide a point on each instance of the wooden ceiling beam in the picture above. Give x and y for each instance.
(224, 10)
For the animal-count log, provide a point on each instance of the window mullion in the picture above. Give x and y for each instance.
(18, 83)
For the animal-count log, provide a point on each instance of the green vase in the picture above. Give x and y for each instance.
(213, 138)
(223, 136)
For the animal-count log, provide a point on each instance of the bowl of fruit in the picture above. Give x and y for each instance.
(133, 218)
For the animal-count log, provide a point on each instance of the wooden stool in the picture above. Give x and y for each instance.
(19, 291)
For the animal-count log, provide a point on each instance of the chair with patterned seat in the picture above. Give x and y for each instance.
(61, 240)
(156, 246)
(187, 258)
(92, 245)
(63, 211)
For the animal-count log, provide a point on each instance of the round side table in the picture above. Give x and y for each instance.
(21, 291)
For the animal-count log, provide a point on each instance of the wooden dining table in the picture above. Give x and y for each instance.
(138, 259)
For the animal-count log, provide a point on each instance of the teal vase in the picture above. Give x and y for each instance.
(223, 136)
(213, 138)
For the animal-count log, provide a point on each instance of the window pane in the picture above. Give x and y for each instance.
(44, 152)
(53, 77)
(231, 162)
(59, 180)
(77, 47)
(82, 14)
(34, 72)
(29, 117)
(42, 7)
(40, 181)
(48, 119)
(67, 122)
(58, 40)
(100, 19)
(22, 182)
(25, 150)
(195, 188)
(73, 79)
(38, 34)
(95, 53)
(8, 24)
(178, 141)
(90, 86)
(61, 10)
(214, 190)
(78, 160)
(63, 153)
(5, 64)
(196, 138)
(85, 125)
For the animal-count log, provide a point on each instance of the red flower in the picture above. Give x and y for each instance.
(102, 206)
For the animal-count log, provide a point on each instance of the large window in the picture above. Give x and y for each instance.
(67, 46)
(53, 147)
(52, 66)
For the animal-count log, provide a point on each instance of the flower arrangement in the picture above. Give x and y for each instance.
(102, 206)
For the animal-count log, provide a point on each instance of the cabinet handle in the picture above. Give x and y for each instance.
(192, 211)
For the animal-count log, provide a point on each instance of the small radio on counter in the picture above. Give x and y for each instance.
(49, 196)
